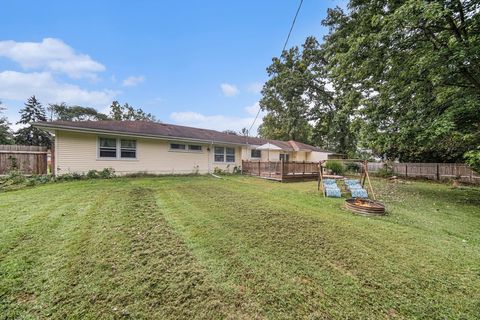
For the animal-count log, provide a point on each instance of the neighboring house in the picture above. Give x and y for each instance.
(141, 146)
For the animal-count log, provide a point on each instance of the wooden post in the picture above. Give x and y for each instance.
(259, 162)
(438, 172)
(304, 167)
(281, 169)
(406, 170)
(368, 179)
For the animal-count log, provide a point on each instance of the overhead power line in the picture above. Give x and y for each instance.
(293, 24)
(254, 120)
(284, 46)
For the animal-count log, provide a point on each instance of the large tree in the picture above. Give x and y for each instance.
(6, 136)
(416, 66)
(303, 104)
(283, 96)
(127, 112)
(33, 111)
(75, 113)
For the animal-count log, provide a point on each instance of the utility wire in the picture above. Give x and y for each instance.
(258, 112)
(293, 24)
(284, 46)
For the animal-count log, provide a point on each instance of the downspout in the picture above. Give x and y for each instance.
(209, 158)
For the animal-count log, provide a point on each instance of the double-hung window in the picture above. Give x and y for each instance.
(108, 148)
(113, 148)
(230, 154)
(128, 148)
(219, 154)
(224, 154)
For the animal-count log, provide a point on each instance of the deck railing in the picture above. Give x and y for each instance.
(281, 170)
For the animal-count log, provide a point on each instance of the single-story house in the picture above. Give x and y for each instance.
(159, 148)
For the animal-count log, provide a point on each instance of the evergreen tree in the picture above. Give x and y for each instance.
(29, 135)
(6, 136)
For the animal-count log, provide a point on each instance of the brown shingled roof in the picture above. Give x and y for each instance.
(163, 130)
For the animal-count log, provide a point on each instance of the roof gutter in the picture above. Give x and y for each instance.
(123, 133)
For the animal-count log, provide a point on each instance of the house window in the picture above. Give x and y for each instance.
(224, 154)
(285, 157)
(230, 154)
(256, 154)
(219, 154)
(117, 148)
(176, 146)
(128, 148)
(108, 148)
(194, 147)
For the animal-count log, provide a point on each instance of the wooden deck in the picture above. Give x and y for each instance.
(282, 171)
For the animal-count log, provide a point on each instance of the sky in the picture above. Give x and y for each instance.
(194, 63)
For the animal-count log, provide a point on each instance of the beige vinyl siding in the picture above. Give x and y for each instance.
(316, 156)
(78, 152)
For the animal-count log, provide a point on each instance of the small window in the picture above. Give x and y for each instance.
(176, 146)
(230, 154)
(108, 148)
(285, 157)
(194, 147)
(128, 148)
(219, 155)
(256, 154)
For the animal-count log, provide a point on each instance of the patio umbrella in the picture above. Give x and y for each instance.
(268, 147)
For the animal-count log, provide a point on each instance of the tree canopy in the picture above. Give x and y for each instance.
(127, 112)
(75, 113)
(403, 80)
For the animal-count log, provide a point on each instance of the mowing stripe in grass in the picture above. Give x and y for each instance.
(117, 258)
(259, 243)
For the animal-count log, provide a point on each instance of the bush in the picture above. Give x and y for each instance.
(92, 174)
(335, 166)
(107, 173)
(217, 170)
(384, 172)
(472, 158)
(13, 180)
(352, 167)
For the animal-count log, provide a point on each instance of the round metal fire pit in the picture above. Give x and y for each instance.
(365, 207)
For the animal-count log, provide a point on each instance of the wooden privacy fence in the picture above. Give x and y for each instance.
(437, 171)
(281, 170)
(26, 159)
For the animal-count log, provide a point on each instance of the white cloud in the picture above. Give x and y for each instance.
(255, 87)
(19, 86)
(229, 90)
(219, 122)
(133, 81)
(51, 55)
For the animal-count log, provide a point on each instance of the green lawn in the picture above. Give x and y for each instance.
(200, 247)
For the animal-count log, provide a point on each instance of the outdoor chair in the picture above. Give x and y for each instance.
(355, 188)
(331, 188)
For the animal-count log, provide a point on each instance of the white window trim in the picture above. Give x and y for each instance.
(118, 149)
(187, 148)
(225, 155)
